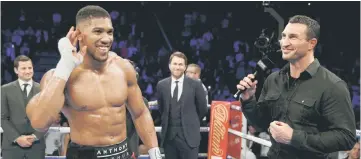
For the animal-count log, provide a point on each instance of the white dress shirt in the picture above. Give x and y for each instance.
(180, 86)
(28, 88)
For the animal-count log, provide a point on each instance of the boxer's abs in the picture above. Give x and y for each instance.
(95, 108)
(98, 129)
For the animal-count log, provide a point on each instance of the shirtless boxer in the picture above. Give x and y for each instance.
(91, 90)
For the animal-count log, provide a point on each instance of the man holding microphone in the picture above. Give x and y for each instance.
(305, 107)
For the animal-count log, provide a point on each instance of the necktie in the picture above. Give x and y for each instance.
(175, 92)
(25, 91)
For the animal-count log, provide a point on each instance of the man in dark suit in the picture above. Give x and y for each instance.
(194, 71)
(20, 140)
(182, 105)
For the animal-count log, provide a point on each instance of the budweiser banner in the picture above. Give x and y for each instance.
(234, 141)
(218, 133)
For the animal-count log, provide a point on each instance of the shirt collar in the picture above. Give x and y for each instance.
(311, 69)
(181, 79)
(22, 82)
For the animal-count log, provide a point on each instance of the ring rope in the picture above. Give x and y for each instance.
(200, 155)
(65, 130)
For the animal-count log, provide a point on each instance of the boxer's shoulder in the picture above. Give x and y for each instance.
(126, 67)
(120, 62)
(113, 55)
(77, 73)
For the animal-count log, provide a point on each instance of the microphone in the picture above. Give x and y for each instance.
(241, 91)
(263, 65)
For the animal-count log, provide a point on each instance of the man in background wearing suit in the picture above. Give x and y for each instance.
(194, 71)
(182, 105)
(20, 140)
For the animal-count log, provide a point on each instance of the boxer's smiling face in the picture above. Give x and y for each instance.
(294, 43)
(97, 35)
(177, 67)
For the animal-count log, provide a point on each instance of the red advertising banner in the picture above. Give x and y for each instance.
(218, 133)
(235, 123)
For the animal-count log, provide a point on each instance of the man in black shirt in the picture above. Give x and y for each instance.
(306, 108)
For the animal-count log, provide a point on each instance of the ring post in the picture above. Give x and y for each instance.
(218, 133)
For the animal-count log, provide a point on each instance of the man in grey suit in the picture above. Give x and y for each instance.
(182, 105)
(20, 140)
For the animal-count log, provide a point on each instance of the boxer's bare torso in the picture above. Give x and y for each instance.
(95, 104)
(91, 87)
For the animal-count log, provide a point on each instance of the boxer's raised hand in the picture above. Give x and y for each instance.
(69, 43)
(247, 84)
(70, 58)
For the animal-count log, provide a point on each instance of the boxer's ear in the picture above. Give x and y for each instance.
(81, 35)
(81, 38)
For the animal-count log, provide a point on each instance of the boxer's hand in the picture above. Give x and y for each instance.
(23, 141)
(70, 58)
(247, 83)
(281, 132)
(67, 46)
(154, 153)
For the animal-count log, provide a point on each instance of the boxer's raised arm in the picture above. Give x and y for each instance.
(140, 113)
(45, 106)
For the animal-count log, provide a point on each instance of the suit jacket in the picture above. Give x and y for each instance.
(14, 120)
(193, 108)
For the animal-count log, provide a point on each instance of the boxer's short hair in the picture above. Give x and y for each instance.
(180, 55)
(91, 11)
(22, 58)
(313, 27)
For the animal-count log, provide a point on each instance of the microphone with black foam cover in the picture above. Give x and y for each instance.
(262, 65)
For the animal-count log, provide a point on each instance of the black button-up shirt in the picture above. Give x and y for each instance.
(317, 106)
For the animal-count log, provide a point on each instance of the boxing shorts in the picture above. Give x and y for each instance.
(116, 151)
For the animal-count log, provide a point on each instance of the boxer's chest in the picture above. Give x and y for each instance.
(91, 91)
